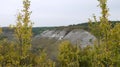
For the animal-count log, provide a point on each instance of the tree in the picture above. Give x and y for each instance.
(9, 55)
(101, 28)
(23, 31)
(42, 60)
(0, 30)
(1, 33)
(68, 55)
(86, 57)
(115, 43)
(105, 52)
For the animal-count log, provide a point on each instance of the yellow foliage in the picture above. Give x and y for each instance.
(68, 55)
(107, 49)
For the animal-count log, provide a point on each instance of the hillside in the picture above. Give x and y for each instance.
(38, 30)
(49, 38)
(84, 26)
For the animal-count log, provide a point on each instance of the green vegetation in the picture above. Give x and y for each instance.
(68, 55)
(39, 30)
(104, 53)
(19, 53)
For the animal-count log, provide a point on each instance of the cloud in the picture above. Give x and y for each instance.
(56, 12)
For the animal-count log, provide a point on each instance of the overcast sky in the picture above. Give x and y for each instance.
(56, 12)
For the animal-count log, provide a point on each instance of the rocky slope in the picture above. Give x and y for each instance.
(51, 39)
(75, 36)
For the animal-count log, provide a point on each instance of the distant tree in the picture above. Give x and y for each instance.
(0, 30)
(0, 33)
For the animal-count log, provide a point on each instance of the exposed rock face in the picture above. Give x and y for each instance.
(50, 40)
(76, 36)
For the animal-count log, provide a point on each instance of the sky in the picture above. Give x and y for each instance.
(56, 12)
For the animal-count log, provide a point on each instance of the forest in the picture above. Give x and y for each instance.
(105, 51)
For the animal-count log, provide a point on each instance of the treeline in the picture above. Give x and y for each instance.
(104, 53)
(85, 26)
(39, 30)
